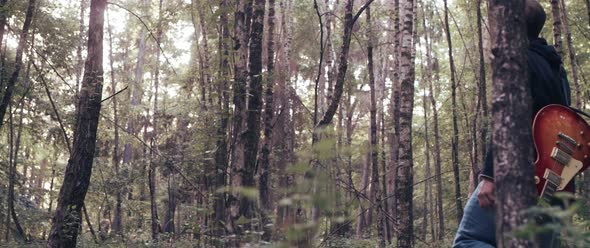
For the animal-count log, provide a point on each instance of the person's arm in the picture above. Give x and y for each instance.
(486, 196)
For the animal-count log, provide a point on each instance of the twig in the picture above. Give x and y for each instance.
(61, 125)
(113, 95)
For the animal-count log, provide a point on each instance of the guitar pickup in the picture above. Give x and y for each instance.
(564, 148)
(552, 177)
(560, 156)
(568, 139)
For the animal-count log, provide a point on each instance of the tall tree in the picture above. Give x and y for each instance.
(118, 217)
(374, 147)
(482, 94)
(405, 188)
(254, 107)
(571, 53)
(80, 60)
(171, 207)
(18, 61)
(268, 112)
(455, 139)
(511, 109)
(66, 221)
(556, 14)
(242, 20)
(3, 19)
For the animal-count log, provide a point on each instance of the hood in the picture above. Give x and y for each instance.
(540, 46)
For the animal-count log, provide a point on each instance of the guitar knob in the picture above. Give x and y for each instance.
(581, 132)
(537, 180)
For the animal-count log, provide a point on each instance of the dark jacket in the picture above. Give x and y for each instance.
(548, 83)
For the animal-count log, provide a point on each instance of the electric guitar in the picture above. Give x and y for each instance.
(562, 141)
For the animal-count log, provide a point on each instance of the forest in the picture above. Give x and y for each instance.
(275, 123)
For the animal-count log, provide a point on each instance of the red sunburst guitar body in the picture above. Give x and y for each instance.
(562, 141)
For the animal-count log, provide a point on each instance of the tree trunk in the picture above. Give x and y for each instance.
(136, 95)
(405, 188)
(571, 53)
(556, 15)
(3, 20)
(252, 133)
(349, 21)
(268, 114)
(66, 221)
(482, 95)
(394, 113)
(118, 218)
(284, 123)
(362, 221)
(221, 153)
(155, 223)
(264, 190)
(455, 140)
(374, 147)
(512, 143)
(18, 63)
(81, 35)
(243, 18)
(13, 157)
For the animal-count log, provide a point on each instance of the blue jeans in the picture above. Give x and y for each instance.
(478, 228)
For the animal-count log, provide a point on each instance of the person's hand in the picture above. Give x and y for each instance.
(486, 196)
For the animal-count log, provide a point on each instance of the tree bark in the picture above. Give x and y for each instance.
(374, 147)
(404, 190)
(252, 133)
(268, 113)
(455, 140)
(3, 20)
(81, 35)
(18, 62)
(349, 21)
(221, 154)
(556, 14)
(482, 94)
(571, 54)
(511, 109)
(118, 218)
(265, 173)
(243, 18)
(79, 169)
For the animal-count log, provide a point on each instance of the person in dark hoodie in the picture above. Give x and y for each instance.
(549, 85)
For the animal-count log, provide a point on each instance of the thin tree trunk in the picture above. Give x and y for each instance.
(3, 20)
(512, 143)
(394, 112)
(66, 221)
(265, 173)
(254, 107)
(221, 153)
(556, 14)
(404, 190)
(374, 147)
(482, 95)
(81, 35)
(362, 217)
(571, 53)
(13, 157)
(349, 21)
(455, 140)
(243, 18)
(156, 227)
(18, 62)
(118, 218)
